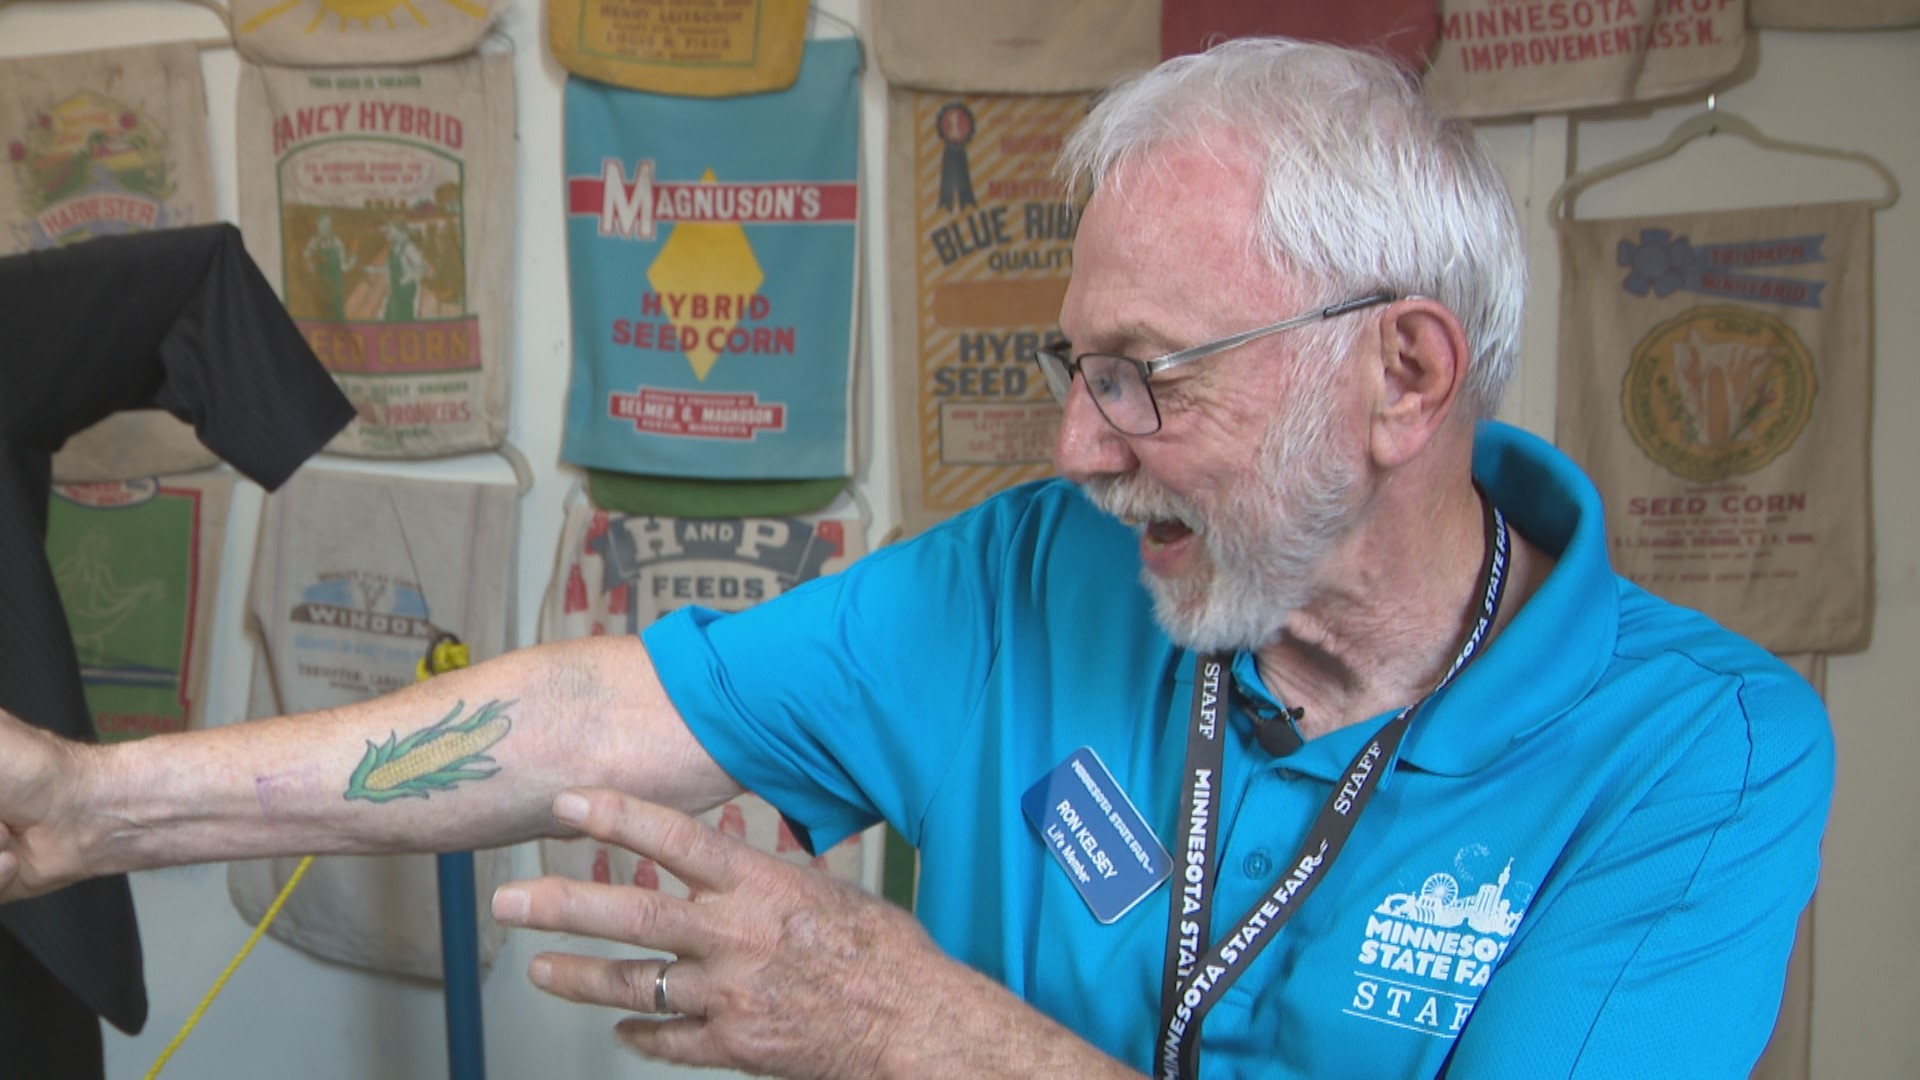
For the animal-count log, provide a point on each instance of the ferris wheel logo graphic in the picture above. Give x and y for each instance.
(1439, 903)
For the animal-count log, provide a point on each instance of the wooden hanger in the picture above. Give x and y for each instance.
(1712, 122)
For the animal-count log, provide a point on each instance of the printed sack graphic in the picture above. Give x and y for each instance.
(1501, 59)
(355, 577)
(379, 203)
(713, 249)
(1715, 375)
(104, 144)
(979, 251)
(351, 32)
(690, 48)
(136, 564)
(617, 573)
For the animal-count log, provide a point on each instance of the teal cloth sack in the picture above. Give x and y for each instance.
(713, 249)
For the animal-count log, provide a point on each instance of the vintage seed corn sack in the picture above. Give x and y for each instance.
(379, 203)
(1715, 376)
(980, 246)
(713, 248)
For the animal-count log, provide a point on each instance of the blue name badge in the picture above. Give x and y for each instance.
(1094, 833)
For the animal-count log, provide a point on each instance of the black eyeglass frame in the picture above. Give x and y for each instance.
(1061, 354)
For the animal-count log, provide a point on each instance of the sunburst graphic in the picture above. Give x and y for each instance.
(362, 13)
(709, 259)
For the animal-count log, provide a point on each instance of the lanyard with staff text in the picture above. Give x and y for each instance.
(1192, 981)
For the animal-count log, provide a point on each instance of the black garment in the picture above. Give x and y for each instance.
(182, 320)
(57, 1036)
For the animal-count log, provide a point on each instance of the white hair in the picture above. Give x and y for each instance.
(1364, 185)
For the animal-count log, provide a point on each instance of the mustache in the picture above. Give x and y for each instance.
(1136, 500)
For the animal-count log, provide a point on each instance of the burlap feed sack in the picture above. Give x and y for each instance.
(1715, 379)
(319, 33)
(1501, 59)
(379, 202)
(692, 48)
(1833, 14)
(980, 246)
(137, 563)
(1014, 46)
(100, 144)
(354, 577)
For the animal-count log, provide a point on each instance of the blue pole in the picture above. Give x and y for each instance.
(460, 954)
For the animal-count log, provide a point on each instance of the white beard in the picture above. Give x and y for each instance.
(1264, 546)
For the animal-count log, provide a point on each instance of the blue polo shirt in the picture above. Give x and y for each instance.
(1588, 859)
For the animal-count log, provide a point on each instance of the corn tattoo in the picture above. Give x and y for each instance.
(434, 758)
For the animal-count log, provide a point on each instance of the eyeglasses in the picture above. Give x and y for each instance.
(1119, 384)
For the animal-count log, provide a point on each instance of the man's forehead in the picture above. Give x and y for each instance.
(1186, 186)
(1178, 225)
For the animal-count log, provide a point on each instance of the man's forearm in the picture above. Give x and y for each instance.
(472, 758)
(965, 1025)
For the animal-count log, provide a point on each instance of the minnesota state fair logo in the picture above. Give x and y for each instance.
(1718, 391)
(1428, 953)
(90, 165)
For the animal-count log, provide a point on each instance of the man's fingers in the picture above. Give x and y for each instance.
(613, 912)
(702, 857)
(633, 985)
(683, 1041)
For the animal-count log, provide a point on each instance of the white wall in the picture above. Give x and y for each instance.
(286, 1014)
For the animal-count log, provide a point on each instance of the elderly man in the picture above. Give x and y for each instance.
(1383, 772)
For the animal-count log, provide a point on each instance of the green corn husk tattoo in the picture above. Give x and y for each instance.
(434, 758)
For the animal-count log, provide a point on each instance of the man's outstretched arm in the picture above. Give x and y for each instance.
(472, 758)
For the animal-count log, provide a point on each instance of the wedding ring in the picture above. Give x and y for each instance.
(660, 1005)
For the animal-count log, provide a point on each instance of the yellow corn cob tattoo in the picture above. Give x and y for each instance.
(435, 758)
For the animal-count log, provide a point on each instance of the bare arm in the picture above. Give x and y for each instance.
(780, 970)
(468, 759)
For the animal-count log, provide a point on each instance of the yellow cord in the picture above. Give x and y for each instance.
(233, 965)
(445, 654)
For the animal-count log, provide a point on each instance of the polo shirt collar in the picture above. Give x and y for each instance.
(1545, 661)
(1553, 652)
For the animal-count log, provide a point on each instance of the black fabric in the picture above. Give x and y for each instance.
(46, 1033)
(183, 320)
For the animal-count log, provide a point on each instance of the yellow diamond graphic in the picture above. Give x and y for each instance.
(710, 269)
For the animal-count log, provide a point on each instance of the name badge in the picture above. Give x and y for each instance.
(1091, 829)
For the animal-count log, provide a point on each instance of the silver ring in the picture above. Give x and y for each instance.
(660, 1005)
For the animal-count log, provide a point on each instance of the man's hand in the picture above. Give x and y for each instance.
(781, 970)
(39, 773)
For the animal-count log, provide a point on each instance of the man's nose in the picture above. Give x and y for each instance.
(1086, 445)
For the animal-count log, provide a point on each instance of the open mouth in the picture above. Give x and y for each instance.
(1163, 532)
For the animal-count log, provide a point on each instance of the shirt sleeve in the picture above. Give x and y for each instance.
(181, 319)
(1667, 952)
(841, 702)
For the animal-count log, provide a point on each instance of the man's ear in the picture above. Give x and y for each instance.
(1423, 360)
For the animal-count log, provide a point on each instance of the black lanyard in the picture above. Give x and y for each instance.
(1193, 981)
